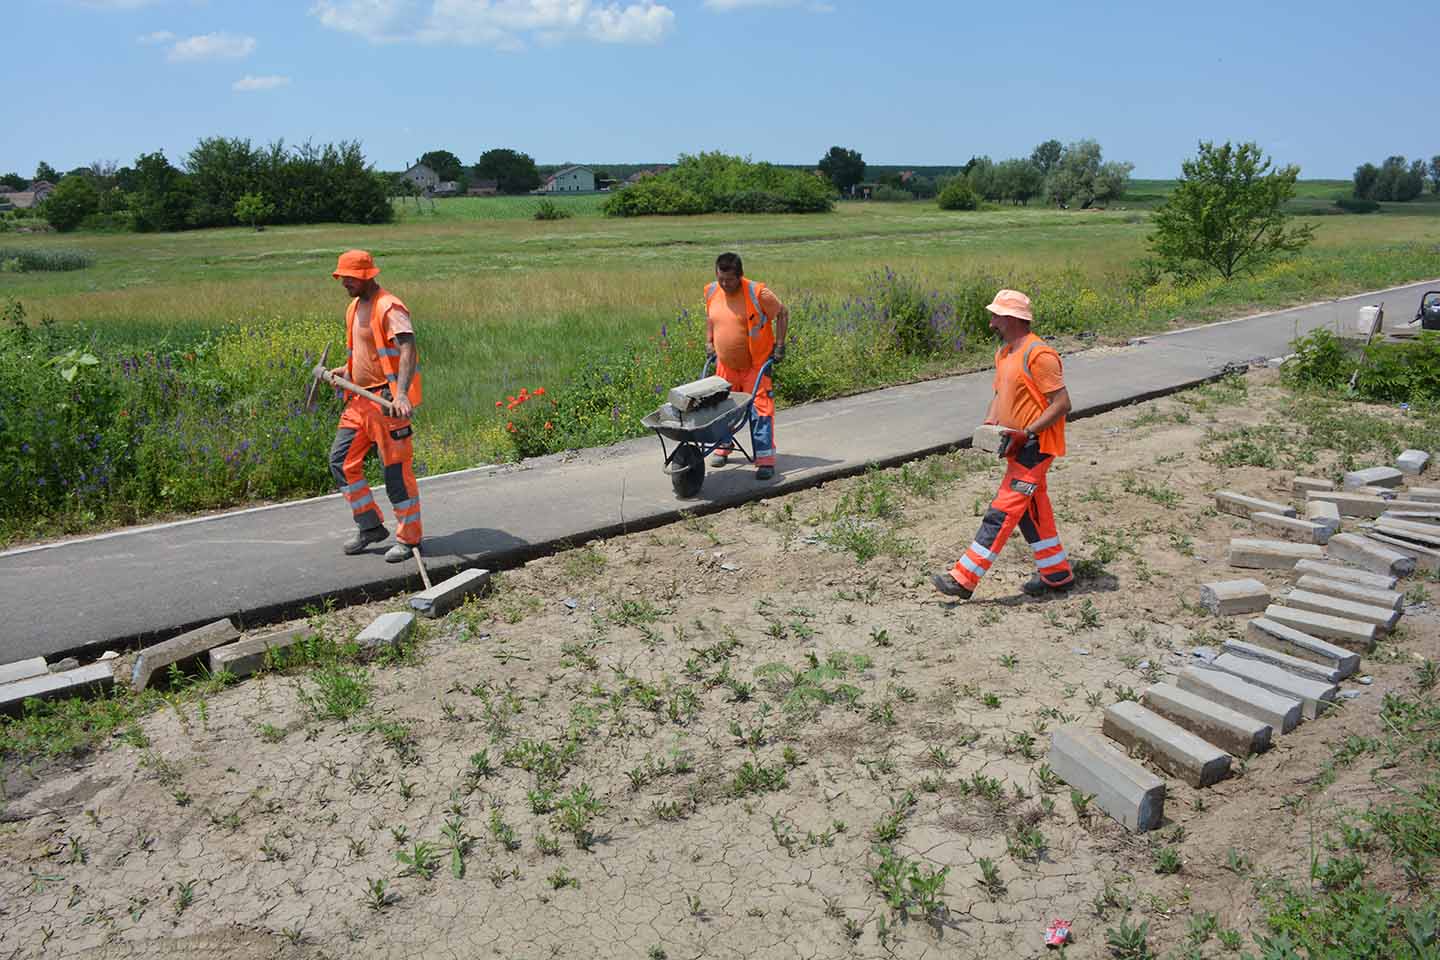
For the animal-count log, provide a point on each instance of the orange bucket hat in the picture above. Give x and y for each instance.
(356, 263)
(1012, 303)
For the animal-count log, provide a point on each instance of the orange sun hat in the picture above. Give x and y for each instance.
(356, 263)
(1012, 303)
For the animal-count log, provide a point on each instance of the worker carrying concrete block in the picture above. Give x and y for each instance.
(1030, 404)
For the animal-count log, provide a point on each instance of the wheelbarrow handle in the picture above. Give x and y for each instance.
(764, 368)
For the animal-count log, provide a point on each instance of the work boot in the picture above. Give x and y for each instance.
(764, 473)
(951, 587)
(399, 553)
(718, 459)
(362, 538)
(1037, 586)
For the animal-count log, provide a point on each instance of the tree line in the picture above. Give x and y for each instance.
(223, 182)
(1396, 179)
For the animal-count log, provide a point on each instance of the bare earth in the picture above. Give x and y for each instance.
(903, 706)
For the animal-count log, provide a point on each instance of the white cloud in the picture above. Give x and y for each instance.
(500, 24)
(159, 36)
(213, 46)
(812, 6)
(250, 83)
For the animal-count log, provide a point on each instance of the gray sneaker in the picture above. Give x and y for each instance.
(361, 539)
(399, 553)
(718, 459)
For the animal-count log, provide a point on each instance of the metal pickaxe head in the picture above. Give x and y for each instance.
(315, 379)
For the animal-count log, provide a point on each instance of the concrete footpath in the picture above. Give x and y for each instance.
(148, 583)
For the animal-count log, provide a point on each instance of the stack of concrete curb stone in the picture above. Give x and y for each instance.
(1296, 652)
(220, 645)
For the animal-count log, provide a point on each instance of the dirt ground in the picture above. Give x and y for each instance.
(734, 808)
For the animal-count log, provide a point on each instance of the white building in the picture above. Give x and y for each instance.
(570, 180)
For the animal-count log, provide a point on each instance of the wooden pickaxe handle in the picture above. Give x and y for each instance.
(326, 376)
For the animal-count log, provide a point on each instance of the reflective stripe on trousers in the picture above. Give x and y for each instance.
(1024, 501)
(364, 428)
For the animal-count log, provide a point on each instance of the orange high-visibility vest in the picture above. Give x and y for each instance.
(388, 350)
(1052, 439)
(762, 331)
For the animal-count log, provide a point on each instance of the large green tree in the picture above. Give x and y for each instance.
(43, 171)
(1082, 178)
(1227, 213)
(1435, 174)
(843, 167)
(73, 199)
(513, 171)
(1046, 155)
(445, 164)
(16, 182)
(1018, 180)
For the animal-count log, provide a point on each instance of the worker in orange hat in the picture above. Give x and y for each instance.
(1031, 404)
(745, 325)
(380, 342)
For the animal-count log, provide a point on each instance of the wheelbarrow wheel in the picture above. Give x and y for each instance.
(687, 471)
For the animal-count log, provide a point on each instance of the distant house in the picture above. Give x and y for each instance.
(639, 175)
(570, 180)
(483, 188)
(26, 199)
(424, 178)
(446, 188)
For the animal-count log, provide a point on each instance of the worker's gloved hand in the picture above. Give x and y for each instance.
(779, 353)
(1018, 439)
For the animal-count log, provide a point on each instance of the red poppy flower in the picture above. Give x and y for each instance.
(549, 425)
(497, 403)
(539, 391)
(510, 427)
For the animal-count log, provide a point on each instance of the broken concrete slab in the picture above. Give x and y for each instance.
(92, 679)
(1315, 696)
(386, 629)
(1374, 477)
(1351, 634)
(1230, 730)
(1290, 528)
(1325, 514)
(1282, 713)
(1384, 618)
(1388, 599)
(1226, 598)
(1303, 485)
(1352, 504)
(1367, 553)
(187, 646)
(249, 655)
(1126, 791)
(1242, 505)
(1425, 534)
(449, 594)
(23, 669)
(1423, 494)
(1169, 746)
(1254, 554)
(1264, 632)
(1334, 571)
(1424, 558)
(1430, 519)
(1412, 462)
(1297, 666)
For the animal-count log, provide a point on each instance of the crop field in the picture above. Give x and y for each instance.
(761, 734)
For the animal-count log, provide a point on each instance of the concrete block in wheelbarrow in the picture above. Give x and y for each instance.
(1170, 746)
(187, 646)
(699, 393)
(1351, 634)
(1315, 696)
(1281, 713)
(1276, 658)
(446, 596)
(387, 629)
(1249, 553)
(68, 683)
(1367, 553)
(1121, 787)
(1230, 730)
(1335, 571)
(1241, 505)
(1264, 632)
(248, 656)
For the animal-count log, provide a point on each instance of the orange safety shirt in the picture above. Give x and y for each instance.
(365, 361)
(732, 315)
(1024, 377)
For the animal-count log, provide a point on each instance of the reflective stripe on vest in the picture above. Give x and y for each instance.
(386, 349)
(754, 304)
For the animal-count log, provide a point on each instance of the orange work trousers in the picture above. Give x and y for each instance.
(365, 427)
(762, 419)
(1022, 501)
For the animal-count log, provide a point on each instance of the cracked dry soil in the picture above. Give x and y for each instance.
(252, 827)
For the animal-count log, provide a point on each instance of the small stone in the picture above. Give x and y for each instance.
(1367, 680)
(1350, 694)
(570, 602)
(729, 567)
(1084, 652)
(109, 655)
(60, 666)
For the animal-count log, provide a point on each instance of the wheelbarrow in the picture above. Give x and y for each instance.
(698, 433)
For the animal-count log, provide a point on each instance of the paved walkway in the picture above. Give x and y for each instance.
(268, 562)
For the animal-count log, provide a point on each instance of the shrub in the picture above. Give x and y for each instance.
(1388, 373)
(716, 182)
(74, 199)
(888, 194)
(548, 209)
(1356, 205)
(21, 260)
(958, 195)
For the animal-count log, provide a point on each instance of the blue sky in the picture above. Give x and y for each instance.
(919, 82)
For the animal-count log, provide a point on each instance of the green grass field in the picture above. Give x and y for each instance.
(502, 301)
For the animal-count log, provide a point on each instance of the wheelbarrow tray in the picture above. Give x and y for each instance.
(707, 426)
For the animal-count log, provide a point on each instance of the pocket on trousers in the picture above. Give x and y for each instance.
(401, 433)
